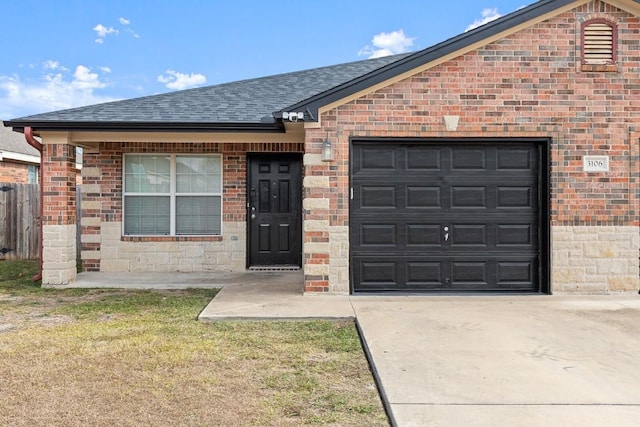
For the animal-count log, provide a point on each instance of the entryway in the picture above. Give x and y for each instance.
(274, 214)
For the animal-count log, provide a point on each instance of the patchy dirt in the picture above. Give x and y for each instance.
(20, 312)
(17, 321)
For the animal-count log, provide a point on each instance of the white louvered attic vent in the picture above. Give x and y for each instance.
(598, 44)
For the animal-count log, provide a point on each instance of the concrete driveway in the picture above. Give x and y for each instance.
(506, 361)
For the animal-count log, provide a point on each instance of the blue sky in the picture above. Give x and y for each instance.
(68, 53)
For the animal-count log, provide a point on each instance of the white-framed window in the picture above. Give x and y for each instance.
(172, 194)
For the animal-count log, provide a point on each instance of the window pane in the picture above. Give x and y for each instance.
(146, 215)
(147, 174)
(198, 174)
(198, 215)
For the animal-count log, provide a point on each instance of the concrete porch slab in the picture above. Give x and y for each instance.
(281, 299)
(251, 295)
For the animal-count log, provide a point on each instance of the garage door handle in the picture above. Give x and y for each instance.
(446, 234)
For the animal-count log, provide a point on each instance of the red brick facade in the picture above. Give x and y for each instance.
(109, 182)
(14, 172)
(59, 181)
(528, 84)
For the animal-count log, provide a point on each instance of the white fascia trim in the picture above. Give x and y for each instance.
(19, 157)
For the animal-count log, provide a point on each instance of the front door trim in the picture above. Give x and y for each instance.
(290, 221)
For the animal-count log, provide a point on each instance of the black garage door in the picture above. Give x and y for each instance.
(448, 216)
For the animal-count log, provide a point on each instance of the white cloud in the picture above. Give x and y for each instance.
(385, 44)
(177, 81)
(50, 64)
(105, 69)
(488, 15)
(55, 90)
(103, 31)
(84, 79)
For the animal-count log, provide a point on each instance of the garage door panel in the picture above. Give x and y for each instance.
(425, 197)
(424, 274)
(372, 196)
(469, 235)
(377, 273)
(451, 216)
(469, 197)
(421, 235)
(517, 274)
(515, 235)
(509, 197)
(468, 159)
(469, 274)
(419, 158)
(378, 235)
(521, 159)
(378, 158)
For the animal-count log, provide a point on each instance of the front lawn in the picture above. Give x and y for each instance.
(111, 357)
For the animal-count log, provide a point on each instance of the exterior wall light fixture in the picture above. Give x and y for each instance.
(327, 151)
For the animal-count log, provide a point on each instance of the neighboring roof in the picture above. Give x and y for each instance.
(14, 143)
(236, 104)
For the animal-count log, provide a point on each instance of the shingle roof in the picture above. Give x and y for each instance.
(246, 101)
(15, 143)
(254, 104)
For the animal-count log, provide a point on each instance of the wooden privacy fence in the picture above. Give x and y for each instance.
(19, 221)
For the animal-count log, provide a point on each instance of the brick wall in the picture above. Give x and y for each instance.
(59, 184)
(102, 203)
(529, 84)
(14, 172)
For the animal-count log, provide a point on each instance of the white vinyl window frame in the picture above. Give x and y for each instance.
(173, 194)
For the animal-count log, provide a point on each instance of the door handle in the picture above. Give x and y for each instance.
(446, 234)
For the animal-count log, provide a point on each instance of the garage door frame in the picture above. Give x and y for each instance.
(544, 243)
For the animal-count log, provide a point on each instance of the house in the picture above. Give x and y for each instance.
(504, 159)
(18, 161)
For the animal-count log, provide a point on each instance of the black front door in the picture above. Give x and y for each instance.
(275, 210)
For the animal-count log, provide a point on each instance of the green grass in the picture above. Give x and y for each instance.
(113, 357)
(17, 276)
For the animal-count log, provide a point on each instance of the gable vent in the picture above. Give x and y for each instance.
(598, 43)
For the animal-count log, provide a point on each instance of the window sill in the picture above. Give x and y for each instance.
(599, 68)
(171, 238)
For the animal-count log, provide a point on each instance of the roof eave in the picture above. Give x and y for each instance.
(114, 126)
(314, 103)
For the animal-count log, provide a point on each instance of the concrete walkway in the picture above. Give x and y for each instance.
(466, 360)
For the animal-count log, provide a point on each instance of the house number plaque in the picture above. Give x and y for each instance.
(595, 164)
